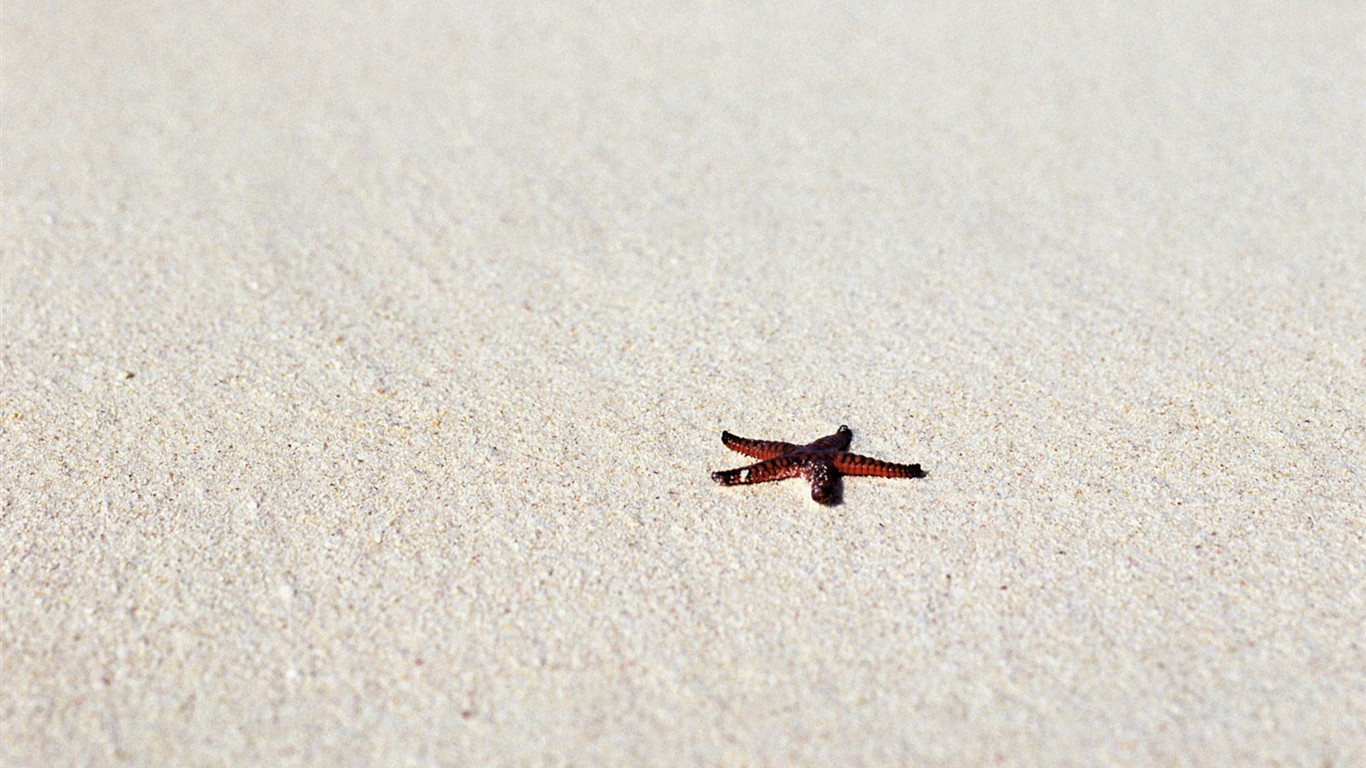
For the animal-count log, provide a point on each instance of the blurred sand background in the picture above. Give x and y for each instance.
(362, 368)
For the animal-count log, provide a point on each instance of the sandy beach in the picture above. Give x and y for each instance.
(362, 370)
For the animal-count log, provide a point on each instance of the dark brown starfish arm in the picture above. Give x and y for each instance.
(836, 442)
(780, 468)
(854, 464)
(822, 476)
(759, 449)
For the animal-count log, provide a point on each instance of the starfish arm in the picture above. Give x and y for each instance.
(780, 468)
(836, 442)
(759, 449)
(823, 479)
(854, 464)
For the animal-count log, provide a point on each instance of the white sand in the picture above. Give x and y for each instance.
(361, 373)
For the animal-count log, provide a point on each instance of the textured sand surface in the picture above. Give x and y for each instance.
(361, 371)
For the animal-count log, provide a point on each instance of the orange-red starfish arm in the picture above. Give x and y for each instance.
(836, 442)
(780, 468)
(854, 464)
(759, 449)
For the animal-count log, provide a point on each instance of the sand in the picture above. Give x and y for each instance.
(362, 370)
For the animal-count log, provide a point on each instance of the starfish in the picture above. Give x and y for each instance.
(821, 462)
